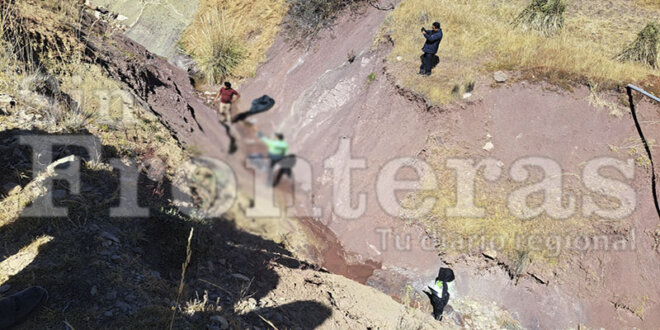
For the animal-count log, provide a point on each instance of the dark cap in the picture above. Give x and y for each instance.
(445, 275)
(436, 25)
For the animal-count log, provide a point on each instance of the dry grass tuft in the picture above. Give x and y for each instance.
(230, 38)
(479, 39)
(545, 16)
(39, 31)
(646, 48)
(649, 3)
(184, 267)
(215, 45)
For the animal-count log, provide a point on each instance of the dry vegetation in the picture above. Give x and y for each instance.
(228, 39)
(646, 48)
(515, 242)
(307, 17)
(649, 3)
(118, 272)
(480, 38)
(64, 73)
(544, 16)
(42, 70)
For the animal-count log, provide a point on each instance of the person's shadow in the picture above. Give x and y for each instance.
(106, 272)
(435, 60)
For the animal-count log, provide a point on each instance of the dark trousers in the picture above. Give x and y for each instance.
(438, 303)
(281, 173)
(285, 167)
(427, 63)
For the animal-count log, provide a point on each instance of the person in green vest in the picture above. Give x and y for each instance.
(278, 150)
(439, 292)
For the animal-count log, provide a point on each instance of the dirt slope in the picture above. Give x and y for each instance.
(161, 87)
(123, 273)
(157, 25)
(323, 99)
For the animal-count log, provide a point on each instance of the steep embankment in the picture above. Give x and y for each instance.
(156, 25)
(325, 100)
(162, 87)
(105, 271)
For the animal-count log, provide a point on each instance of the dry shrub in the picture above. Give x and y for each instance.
(230, 38)
(215, 46)
(645, 49)
(39, 31)
(545, 16)
(307, 17)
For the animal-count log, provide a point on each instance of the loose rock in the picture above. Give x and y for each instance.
(110, 237)
(6, 102)
(490, 254)
(500, 76)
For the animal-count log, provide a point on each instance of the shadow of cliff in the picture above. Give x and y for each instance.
(107, 272)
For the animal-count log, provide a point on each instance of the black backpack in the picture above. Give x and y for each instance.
(259, 105)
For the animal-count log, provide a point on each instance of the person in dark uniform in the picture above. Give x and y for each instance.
(439, 293)
(433, 38)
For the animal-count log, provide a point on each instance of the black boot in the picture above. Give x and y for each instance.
(16, 308)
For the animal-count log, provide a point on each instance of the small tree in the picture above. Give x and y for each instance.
(545, 16)
(645, 49)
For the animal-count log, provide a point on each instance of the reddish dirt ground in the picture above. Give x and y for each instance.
(323, 99)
